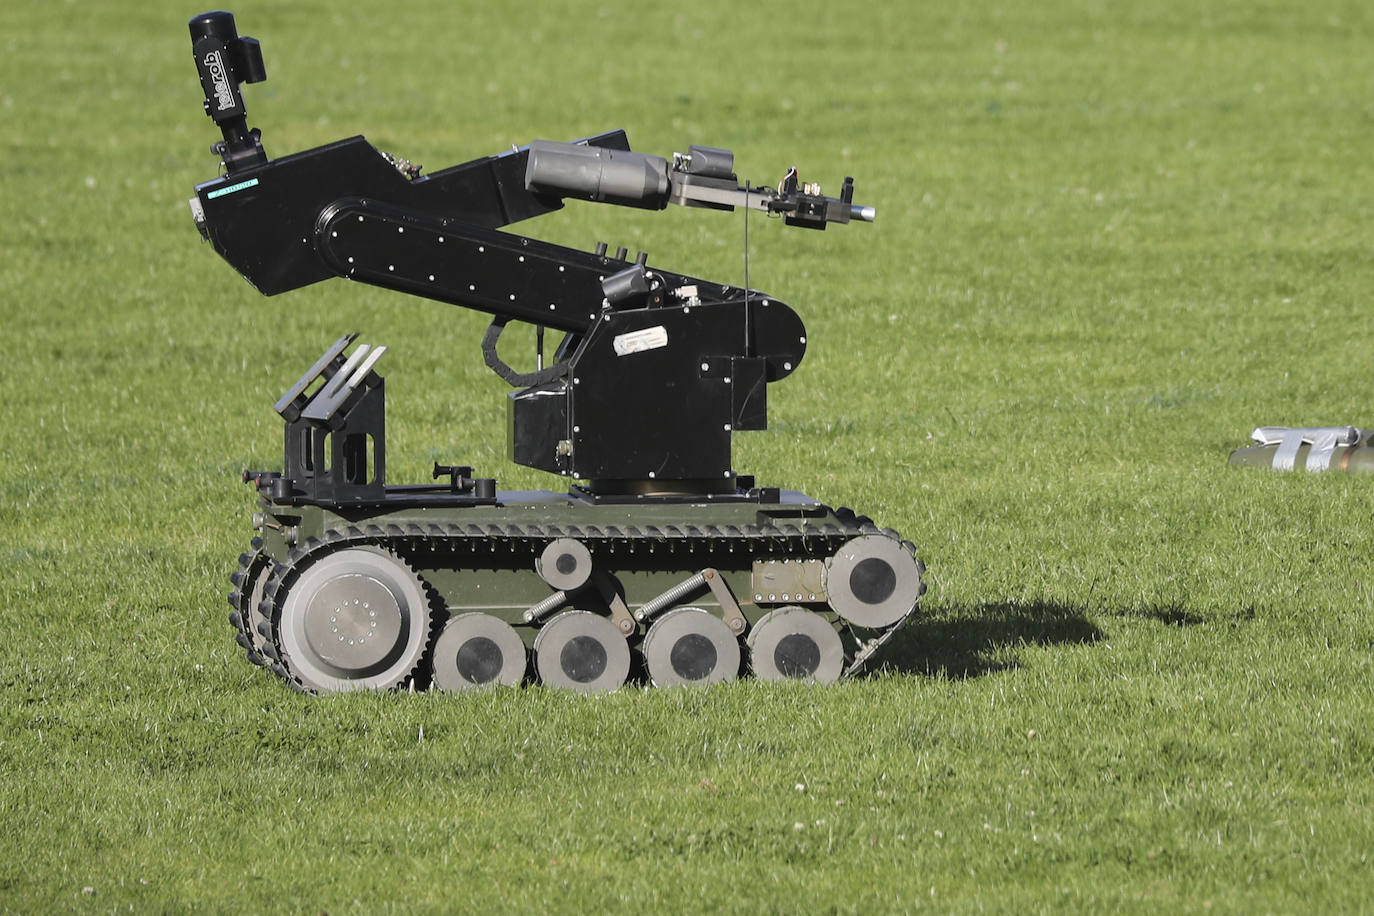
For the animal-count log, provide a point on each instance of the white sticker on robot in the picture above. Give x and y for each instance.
(639, 341)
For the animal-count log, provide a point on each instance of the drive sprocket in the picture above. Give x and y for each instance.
(354, 618)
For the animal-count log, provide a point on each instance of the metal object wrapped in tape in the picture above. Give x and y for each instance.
(1343, 448)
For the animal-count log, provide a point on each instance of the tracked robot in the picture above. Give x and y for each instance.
(660, 563)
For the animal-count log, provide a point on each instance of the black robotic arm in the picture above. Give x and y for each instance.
(658, 368)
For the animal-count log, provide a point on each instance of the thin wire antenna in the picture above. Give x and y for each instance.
(748, 335)
(746, 241)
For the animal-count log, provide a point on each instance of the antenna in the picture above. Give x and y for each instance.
(748, 335)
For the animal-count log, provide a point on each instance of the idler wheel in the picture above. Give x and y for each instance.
(690, 646)
(873, 581)
(565, 564)
(356, 619)
(478, 650)
(792, 643)
(582, 651)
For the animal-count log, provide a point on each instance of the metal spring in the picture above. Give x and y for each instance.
(548, 605)
(671, 596)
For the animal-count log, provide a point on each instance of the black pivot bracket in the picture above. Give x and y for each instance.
(460, 480)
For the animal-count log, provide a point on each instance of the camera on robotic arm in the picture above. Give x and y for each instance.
(225, 60)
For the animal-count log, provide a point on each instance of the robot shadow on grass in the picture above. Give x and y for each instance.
(985, 639)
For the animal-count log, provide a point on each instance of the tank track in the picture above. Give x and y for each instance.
(251, 567)
(258, 632)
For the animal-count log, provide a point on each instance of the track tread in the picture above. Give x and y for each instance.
(250, 565)
(495, 539)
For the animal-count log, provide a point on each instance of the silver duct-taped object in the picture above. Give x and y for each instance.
(1324, 440)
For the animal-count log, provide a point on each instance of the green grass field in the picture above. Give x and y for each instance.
(1112, 238)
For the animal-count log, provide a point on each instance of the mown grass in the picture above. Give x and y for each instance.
(1110, 241)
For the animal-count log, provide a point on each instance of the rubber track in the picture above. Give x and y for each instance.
(250, 565)
(490, 539)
